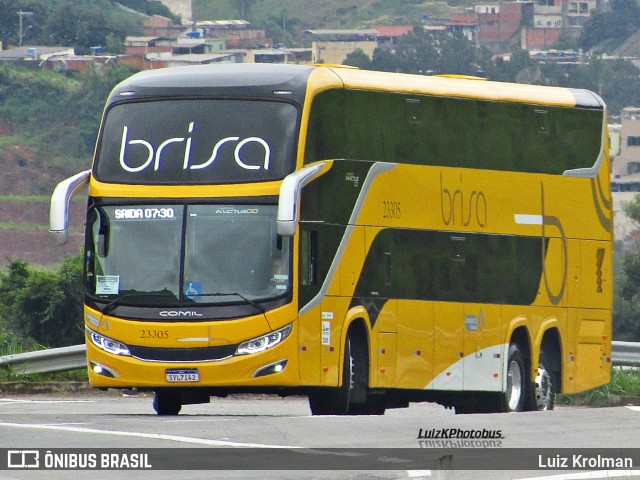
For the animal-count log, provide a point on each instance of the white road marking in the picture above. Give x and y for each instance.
(11, 401)
(155, 436)
(195, 420)
(633, 407)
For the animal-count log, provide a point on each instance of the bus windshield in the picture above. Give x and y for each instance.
(228, 254)
(203, 141)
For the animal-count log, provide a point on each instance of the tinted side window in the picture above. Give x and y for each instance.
(445, 131)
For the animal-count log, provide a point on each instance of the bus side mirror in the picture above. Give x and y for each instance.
(289, 200)
(60, 201)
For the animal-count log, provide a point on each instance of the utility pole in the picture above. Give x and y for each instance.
(20, 15)
(284, 27)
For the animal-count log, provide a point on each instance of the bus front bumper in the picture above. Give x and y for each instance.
(276, 366)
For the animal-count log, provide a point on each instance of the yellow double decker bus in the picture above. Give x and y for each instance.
(367, 239)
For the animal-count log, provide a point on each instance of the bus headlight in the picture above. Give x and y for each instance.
(107, 344)
(265, 342)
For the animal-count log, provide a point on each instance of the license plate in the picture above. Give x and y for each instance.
(180, 376)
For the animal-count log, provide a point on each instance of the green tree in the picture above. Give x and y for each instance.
(507, 69)
(359, 59)
(616, 24)
(32, 20)
(456, 55)
(86, 103)
(421, 52)
(243, 7)
(282, 27)
(42, 306)
(64, 110)
(80, 26)
(616, 81)
(114, 44)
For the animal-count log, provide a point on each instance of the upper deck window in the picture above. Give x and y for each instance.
(203, 141)
(452, 132)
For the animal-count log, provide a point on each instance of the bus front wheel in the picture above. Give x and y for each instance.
(341, 400)
(167, 402)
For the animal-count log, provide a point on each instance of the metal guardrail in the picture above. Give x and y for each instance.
(46, 361)
(624, 354)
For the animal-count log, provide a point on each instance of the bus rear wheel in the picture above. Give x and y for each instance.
(167, 401)
(513, 399)
(543, 385)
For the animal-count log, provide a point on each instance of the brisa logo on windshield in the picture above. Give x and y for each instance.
(154, 154)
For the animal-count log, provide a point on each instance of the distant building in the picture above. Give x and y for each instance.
(548, 14)
(501, 21)
(185, 46)
(198, 59)
(237, 33)
(333, 46)
(553, 18)
(145, 45)
(532, 38)
(579, 12)
(77, 63)
(628, 161)
(614, 139)
(466, 23)
(280, 55)
(158, 26)
(388, 35)
(488, 23)
(34, 53)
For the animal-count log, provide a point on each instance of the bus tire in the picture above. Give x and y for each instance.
(340, 400)
(167, 402)
(375, 405)
(543, 397)
(513, 399)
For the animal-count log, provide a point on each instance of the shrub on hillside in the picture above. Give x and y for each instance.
(43, 306)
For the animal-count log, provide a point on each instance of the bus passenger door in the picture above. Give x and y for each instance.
(309, 335)
(387, 350)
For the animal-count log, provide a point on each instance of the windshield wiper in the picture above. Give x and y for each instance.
(109, 307)
(231, 294)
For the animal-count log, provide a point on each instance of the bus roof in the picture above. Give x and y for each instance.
(246, 79)
(467, 87)
(293, 81)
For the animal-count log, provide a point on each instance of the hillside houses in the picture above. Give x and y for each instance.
(535, 24)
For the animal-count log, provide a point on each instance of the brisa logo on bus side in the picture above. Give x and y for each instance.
(456, 209)
(155, 155)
